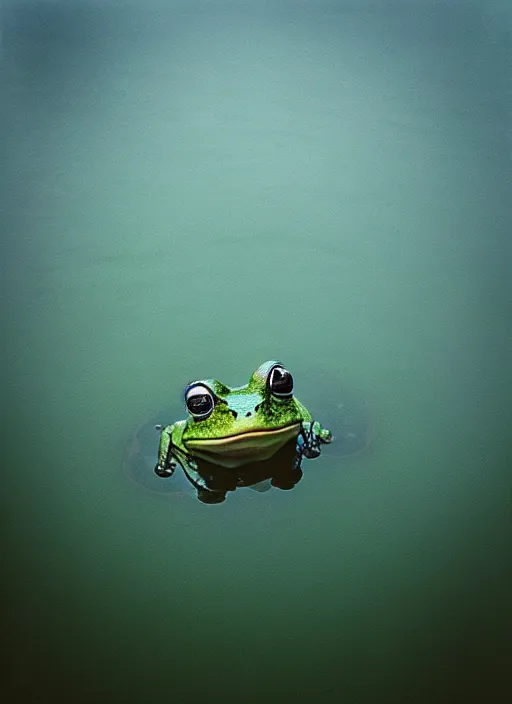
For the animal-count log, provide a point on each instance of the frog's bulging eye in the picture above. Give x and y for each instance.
(280, 383)
(199, 400)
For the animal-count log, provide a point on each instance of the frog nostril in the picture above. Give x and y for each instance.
(248, 414)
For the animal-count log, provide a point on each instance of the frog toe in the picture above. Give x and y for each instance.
(311, 452)
(326, 436)
(164, 472)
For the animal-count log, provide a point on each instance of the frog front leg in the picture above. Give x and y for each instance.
(311, 437)
(166, 463)
(171, 451)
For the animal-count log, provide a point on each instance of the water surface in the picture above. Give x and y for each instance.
(189, 191)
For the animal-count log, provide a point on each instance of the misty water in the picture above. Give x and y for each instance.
(189, 190)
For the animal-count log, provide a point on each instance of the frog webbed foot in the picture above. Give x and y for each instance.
(170, 456)
(311, 437)
(166, 470)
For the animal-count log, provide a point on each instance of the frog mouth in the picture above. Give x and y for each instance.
(235, 450)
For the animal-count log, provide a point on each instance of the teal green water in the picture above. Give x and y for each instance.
(188, 193)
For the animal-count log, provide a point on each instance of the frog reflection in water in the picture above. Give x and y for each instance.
(234, 428)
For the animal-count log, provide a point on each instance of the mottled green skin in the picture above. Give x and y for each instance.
(238, 411)
(266, 412)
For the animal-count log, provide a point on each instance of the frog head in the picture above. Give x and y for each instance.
(234, 426)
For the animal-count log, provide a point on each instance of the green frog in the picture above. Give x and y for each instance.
(232, 427)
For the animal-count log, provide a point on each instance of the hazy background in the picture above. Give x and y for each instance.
(187, 190)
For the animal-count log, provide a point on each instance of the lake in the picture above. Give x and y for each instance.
(191, 189)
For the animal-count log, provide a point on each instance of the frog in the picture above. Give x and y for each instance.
(235, 426)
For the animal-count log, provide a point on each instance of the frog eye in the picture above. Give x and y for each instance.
(280, 382)
(199, 401)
